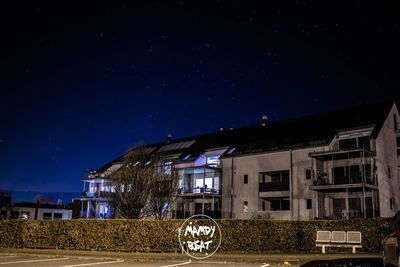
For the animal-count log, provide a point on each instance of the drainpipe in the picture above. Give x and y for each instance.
(291, 184)
(36, 210)
(204, 187)
(232, 191)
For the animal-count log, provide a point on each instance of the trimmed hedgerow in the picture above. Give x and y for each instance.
(254, 236)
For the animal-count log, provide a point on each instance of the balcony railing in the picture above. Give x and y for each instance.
(344, 180)
(274, 186)
(101, 194)
(182, 215)
(199, 190)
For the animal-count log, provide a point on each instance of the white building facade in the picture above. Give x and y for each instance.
(335, 165)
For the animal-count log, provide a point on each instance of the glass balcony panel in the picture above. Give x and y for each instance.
(274, 186)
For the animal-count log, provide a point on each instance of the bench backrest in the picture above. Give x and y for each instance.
(338, 237)
(352, 237)
(323, 236)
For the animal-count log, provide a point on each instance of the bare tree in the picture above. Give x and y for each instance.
(143, 186)
(163, 189)
(42, 199)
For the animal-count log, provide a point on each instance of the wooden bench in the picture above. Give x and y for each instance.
(350, 239)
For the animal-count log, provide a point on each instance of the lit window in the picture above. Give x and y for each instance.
(231, 150)
(212, 160)
(167, 167)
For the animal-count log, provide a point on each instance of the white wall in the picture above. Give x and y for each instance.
(386, 156)
(66, 214)
(252, 165)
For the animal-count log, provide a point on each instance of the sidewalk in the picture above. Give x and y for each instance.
(271, 259)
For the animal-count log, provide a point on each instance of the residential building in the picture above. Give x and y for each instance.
(337, 165)
(35, 211)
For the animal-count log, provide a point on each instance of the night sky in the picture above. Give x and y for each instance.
(83, 82)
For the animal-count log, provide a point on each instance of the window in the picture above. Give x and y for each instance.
(275, 204)
(398, 147)
(245, 179)
(395, 122)
(280, 204)
(14, 214)
(167, 167)
(359, 142)
(231, 150)
(351, 174)
(57, 216)
(3, 214)
(278, 176)
(245, 206)
(347, 143)
(274, 181)
(25, 215)
(201, 183)
(389, 172)
(309, 173)
(363, 142)
(309, 204)
(212, 160)
(391, 203)
(46, 215)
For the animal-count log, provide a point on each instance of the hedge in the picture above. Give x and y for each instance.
(255, 236)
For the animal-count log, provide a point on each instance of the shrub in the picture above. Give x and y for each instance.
(253, 236)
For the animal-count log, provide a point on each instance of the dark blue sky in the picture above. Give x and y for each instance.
(82, 82)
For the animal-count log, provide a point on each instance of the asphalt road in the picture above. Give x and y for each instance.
(49, 261)
(67, 258)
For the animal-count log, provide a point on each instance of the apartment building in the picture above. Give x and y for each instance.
(334, 165)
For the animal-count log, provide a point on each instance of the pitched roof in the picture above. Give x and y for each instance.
(312, 130)
(318, 129)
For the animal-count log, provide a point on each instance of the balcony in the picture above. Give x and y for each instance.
(201, 180)
(101, 194)
(274, 186)
(183, 215)
(199, 190)
(353, 180)
(335, 154)
(341, 183)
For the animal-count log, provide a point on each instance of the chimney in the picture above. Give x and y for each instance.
(169, 138)
(226, 129)
(264, 120)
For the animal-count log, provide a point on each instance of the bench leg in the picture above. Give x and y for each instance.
(354, 250)
(323, 249)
